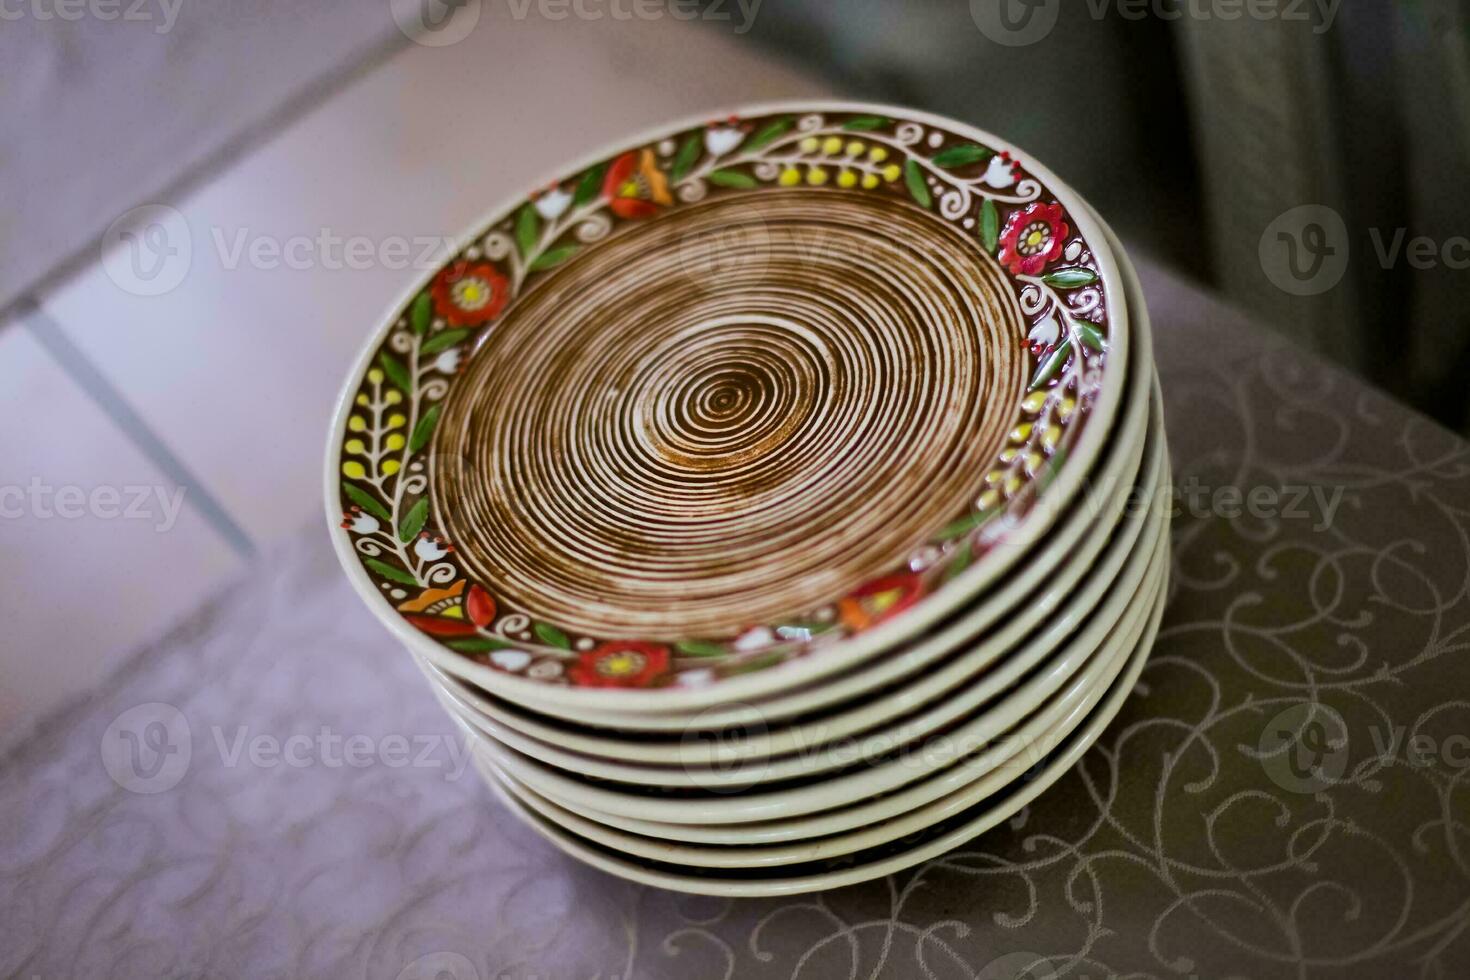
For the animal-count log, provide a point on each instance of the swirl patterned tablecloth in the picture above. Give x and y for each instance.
(271, 790)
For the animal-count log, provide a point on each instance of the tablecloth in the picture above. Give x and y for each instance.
(271, 791)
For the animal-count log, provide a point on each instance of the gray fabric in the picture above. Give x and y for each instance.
(1096, 99)
(1365, 115)
(1170, 850)
(100, 116)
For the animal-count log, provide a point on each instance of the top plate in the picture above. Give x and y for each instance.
(764, 392)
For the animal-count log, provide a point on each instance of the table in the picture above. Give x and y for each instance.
(307, 811)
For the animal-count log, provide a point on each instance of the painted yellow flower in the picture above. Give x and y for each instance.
(635, 187)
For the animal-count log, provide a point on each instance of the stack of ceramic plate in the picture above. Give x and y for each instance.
(766, 497)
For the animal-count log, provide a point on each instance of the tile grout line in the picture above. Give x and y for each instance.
(309, 96)
(107, 397)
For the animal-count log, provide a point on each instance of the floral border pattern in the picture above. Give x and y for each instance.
(987, 193)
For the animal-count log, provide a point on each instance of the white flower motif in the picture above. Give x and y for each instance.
(545, 670)
(697, 678)
(1046, 331)
(448, 362)
(553, 203)
(430, 549)
(359, 522)
(512, 660)
(757, 638)
(720, 140)
(1001, 173)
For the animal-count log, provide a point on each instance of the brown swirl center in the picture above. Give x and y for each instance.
(729, 414)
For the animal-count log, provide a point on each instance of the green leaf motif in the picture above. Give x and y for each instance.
(965, 525)
(768, 134)
(528, 230)
(443, 341)
(961, 561)
(1058, 460)
(1089, 335)
(1070, 278)
(863, 124)
(390, 572)
(552, 258)
(913, 175)
(414, 522)
(989, 226)
(759, 663)
(367, 502)
(479, 644)
(589, 186)
(700, 648)
(731, 178)
(962, 155)
(688, 155)
(395, 371)
(552, 636)
(421, 313)
(1051, 365)
(424, 430)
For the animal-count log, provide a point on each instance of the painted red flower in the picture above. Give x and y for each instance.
(880, 600)
(449, 611)
(479, 605)
(635, 187)
(468, 295)
(1033, 238)
(620, 663)
(439, 612)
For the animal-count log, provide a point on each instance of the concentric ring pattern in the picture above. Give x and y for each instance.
(728, 414)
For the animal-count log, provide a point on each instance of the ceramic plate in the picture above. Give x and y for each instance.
(959, 687)
(661, 426)
(851, 869)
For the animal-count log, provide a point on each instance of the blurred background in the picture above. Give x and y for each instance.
(203, 207)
